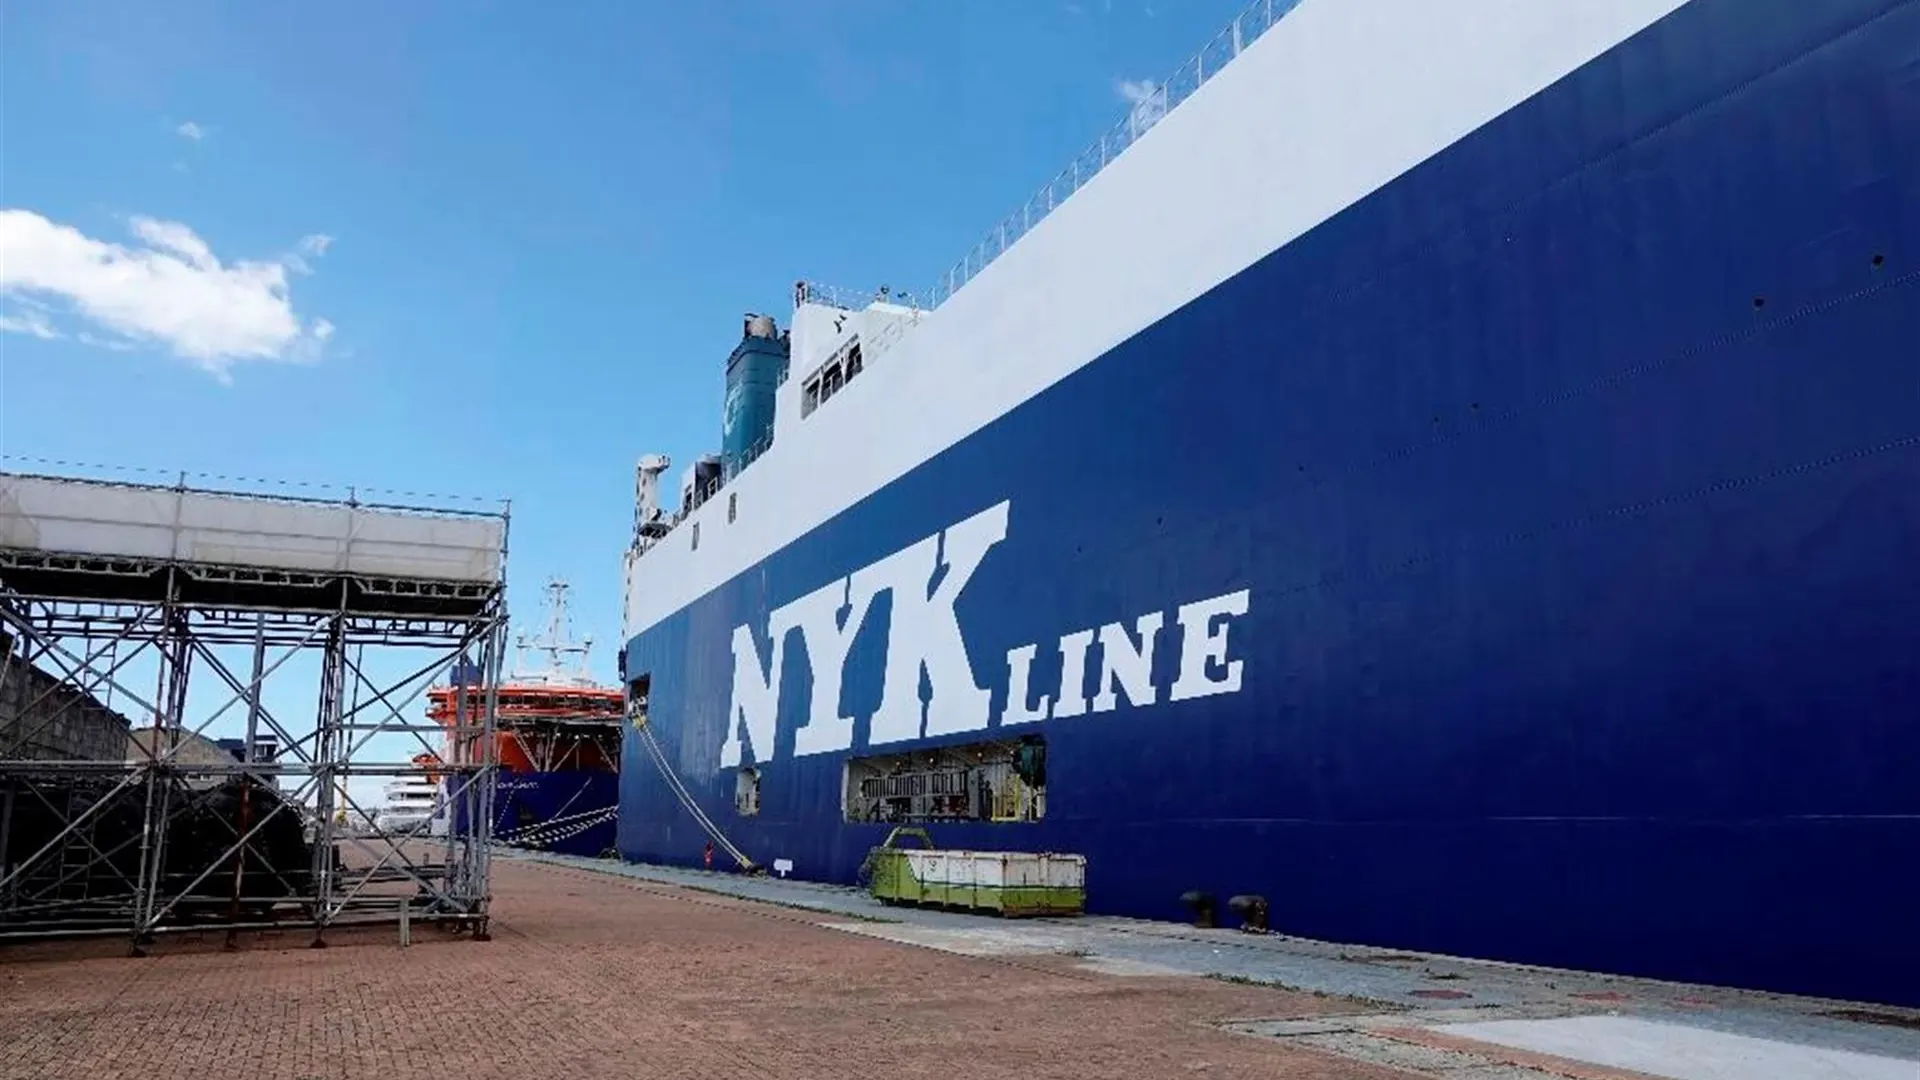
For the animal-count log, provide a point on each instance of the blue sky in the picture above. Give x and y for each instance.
(496, 249)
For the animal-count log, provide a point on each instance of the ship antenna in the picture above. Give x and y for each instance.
(556, 643)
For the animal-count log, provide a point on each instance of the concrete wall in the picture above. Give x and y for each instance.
(51, 720)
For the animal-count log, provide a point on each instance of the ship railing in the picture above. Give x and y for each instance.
(889, 333)
(390, 500)
(732, 469)
(839, 296)
(668, 524)
(1150, 102)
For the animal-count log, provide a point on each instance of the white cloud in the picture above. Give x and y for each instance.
(192, 131)
(1147, 98)
(116, 344)
(1136, 91)
(29, 322)
(315, 245)
(177, 238)
(173, 292)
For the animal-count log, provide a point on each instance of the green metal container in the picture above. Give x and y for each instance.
(1001, 882)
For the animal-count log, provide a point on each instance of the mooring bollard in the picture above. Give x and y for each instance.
(1252, 911)
(1201, 905)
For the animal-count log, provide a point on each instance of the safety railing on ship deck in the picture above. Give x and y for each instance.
(813, 292)
(1154, 102)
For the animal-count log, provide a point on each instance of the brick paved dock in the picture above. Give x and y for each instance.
(594, 976)
(602, 969)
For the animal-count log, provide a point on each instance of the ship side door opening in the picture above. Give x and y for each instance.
(1002, 781)
(746, 791)
(637, 688)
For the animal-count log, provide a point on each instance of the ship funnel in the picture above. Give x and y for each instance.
(754, 373)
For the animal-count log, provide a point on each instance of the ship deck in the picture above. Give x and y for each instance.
(601, 969)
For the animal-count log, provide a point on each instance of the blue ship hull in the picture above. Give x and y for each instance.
(1573, 483)
(568, 812)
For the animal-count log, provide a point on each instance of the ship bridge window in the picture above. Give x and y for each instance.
(832, 376)
(1003, 780)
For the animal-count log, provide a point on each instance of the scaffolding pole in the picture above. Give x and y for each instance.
(122, 820)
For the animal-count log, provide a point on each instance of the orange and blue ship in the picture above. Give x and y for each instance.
(556, 744)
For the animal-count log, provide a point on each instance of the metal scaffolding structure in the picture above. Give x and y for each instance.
(119, 814)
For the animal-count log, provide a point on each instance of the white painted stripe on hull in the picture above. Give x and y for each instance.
(1335, 102)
